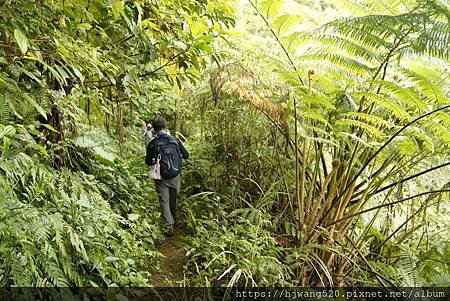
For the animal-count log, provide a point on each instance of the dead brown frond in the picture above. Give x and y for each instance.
(239, 82)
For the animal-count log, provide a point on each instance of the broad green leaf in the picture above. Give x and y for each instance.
(32, 76)
(42, 150)
(146, 24)
(198, 28)
(194, 61)
(8, 130)
(35, 105)
(193, 71)
(285, 22)
(21, 40)
(271, 8)
(3, 83)
(84, 26)
(203, 46)
(51, 128)
(293, 41)
(47, 66)
(117, 8)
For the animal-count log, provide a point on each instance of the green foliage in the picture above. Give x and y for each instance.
(59, 228)
(232, 248)
(316, 149)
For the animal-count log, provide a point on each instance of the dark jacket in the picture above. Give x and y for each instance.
(150, 158)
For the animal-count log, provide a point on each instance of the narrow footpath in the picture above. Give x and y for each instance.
(171, 273)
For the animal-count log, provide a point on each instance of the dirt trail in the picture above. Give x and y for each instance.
(171, 272)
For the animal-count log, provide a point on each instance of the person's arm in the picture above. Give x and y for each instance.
(150, 156)
(183, 151)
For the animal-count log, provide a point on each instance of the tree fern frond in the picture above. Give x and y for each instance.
(434, 41)
(316, 99)
(376, 121)
(429, 90)
(58, 227)
(373, 30)
(407, 268)
(392, 107)
(284, 23)
(334, 42)
(371, 130)
(313, 116)
(404, 95)
(353, 137)
(422, 137)
(440, 280)
(55, 274)
(444, 119)
(406, 145)
(440, 131)
(324, 68)
(271, 8)
(348, 64)
(438, 7)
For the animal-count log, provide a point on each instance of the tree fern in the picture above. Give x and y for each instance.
(389, 105)
(376, 121)
(371, 130)
(405, 95)
(407, 269)
(343, 61)
(332, 42)
(429, 90)
(439, 131)
(433, 40)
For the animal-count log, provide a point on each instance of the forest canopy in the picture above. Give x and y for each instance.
(319, 134)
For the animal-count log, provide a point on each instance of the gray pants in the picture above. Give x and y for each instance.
(168, 191)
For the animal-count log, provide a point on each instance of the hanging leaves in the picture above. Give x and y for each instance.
(117, 8)
(271, 8)
(285, 22)
(21, 40)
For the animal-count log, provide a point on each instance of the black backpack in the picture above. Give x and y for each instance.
(170, 162)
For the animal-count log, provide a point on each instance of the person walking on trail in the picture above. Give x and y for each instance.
(167, 151)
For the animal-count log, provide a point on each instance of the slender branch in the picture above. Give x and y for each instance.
(279, 42)
(410, 177)
(123, 40)
(423, 206)
(169, 62)
(401, 226)
(386, 205)
(390, 140)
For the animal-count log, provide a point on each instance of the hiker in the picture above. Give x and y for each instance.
(148, 133)
(168, 152)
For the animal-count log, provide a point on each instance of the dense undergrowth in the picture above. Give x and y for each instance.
(318, 132)
(95, 224)
(242, 234)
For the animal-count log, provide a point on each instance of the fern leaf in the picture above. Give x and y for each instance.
(271, 8)
(371, 130)
(376, 121)
(404, 95)
(430, 91)
(391, 106)
(284, 23)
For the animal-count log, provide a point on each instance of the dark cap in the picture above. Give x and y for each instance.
(159, 123)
